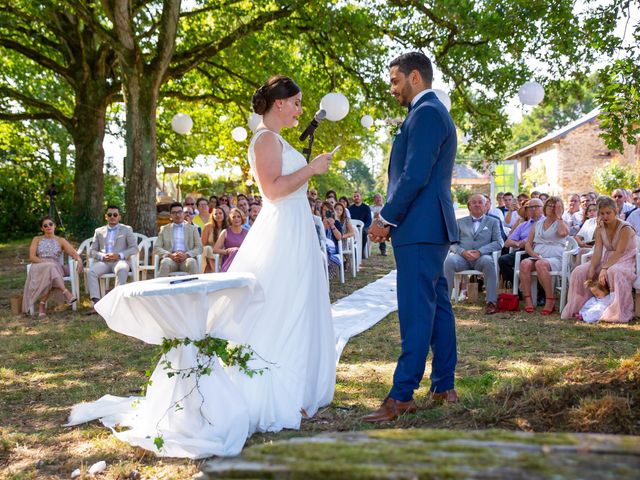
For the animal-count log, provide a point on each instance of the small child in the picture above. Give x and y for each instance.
(593, 309)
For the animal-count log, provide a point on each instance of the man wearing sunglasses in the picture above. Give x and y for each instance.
(112, 245)
(178, 244)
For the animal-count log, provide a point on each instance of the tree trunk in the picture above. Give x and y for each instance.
(141, 99)
(88, 136)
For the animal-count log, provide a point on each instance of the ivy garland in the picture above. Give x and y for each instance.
(209, 349)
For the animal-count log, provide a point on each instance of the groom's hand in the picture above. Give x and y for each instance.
(379, 231)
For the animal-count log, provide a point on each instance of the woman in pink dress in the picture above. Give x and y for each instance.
(231, 238)
(47, 271)
(613, 264)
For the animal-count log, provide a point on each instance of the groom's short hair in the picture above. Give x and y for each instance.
(408, 62)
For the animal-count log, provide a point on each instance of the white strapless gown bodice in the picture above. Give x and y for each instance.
(291, 330)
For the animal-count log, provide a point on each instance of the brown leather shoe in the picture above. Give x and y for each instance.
(390, 410)
(491, 308)
(449, 396)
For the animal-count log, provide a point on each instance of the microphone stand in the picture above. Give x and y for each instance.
(307, 151)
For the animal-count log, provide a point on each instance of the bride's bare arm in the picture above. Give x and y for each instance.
(268, 150)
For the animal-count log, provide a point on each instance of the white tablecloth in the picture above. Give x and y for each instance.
(206, 423)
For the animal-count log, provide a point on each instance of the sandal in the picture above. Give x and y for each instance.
(42, 311)
(70, 301)
(549, 311)
(530, 309)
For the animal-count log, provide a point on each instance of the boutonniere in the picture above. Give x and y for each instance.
(394, 125)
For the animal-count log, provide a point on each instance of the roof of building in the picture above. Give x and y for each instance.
(557, 134)
(460, 171)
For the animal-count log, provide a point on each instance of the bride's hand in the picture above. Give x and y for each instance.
(320, 164)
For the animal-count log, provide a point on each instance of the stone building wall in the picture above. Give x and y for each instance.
(581, 151)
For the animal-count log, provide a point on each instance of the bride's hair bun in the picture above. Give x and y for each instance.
(275, 88)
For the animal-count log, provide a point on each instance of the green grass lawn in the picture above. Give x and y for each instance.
(516, 371)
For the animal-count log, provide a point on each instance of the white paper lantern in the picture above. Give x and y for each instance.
(531, 93)
(239, 134)
(336, 105)
(443, 97)
(236, 170)
(342, 164)
(366, 121)
(223, 118)
(181, 123)
(249, 183)
(254, 120)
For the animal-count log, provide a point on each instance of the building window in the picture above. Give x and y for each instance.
(505, 178)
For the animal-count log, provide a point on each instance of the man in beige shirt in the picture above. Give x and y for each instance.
(178, 244)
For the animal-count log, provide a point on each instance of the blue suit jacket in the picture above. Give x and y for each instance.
(420, 170)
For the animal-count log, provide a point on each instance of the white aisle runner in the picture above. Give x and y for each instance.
(363, 309)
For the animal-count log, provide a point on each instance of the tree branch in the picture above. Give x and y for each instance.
(37, 57)
(193, 98)
(166, 40)
(190, 59)
(44, 107)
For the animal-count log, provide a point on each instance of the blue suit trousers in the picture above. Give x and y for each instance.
(426, 320)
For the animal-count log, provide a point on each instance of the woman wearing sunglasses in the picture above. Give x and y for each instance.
(47, 272)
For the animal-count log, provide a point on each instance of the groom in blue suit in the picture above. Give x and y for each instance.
(420, 219)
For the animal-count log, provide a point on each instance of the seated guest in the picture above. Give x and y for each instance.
(378, 205)
(46, 272)
(497, 214)
(178, 244)
(243, 205)
(317, 222)
(535, 194)
(544, 197)
(331, 194)
(347, 229)
(231, 238)
(210, 234)
(518, 238)
(202, 217)
(189, 201)
(312, 194)
(592, 311)
(213, 203)
(545, 246)
(361, 211)
(500, 205)
(522, 199)
(254, 211)
(613, 264)
(635, 197)
(479, 238)
(622, 205)
(511, 210)
(584, 237)
(333, 232)
(345, 202)
(569, 217)
(112, 245)
(585, 201)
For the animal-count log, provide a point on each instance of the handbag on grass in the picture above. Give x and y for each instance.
(508, 302)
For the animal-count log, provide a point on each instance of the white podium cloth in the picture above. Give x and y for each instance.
(206, 422)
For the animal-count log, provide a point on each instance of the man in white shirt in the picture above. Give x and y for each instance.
(623, 207)
(178, 244)
(112, 245)
(570, 216)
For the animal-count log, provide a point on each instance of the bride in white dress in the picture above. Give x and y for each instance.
(287, 321)
(292, 328)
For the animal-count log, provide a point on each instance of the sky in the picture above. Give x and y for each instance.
(115, 150)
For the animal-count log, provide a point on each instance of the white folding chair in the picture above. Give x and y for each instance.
(145, 257)
(83, 249)
(350, 252)
(359, 226)
(134, 274)
(564, 274)
(341, 256)
(73, 278)
(457, 278)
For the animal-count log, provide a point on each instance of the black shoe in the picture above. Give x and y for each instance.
(384, 254)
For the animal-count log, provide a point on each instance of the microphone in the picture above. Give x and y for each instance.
(317, 118)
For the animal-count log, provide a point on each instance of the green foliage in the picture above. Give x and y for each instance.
(564, 102)
(534, 177)
(461, 194)
(359, 175)
(611, 176)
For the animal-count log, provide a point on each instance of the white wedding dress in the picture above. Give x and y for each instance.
(293, 331)
(274, 298)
